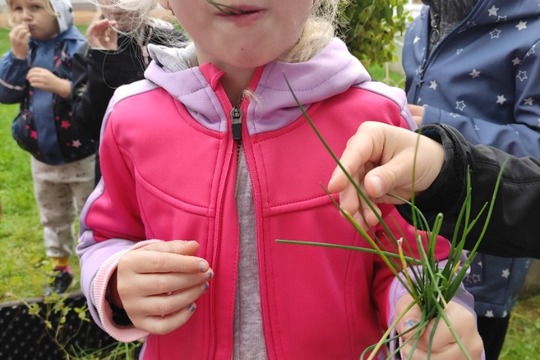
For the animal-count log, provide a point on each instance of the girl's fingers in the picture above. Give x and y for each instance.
(157, 284)
(161, 314)
(162, 325)
(463, 322)
(452, 351)
(164, 257)
(166, 304)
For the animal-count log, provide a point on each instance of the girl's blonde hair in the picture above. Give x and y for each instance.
(320, 28)
(138, 11)
(318, 31)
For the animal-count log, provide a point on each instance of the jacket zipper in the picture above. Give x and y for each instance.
(434, 36)
(435, 33)
(236, 124)
(236, 130)
(236, 115)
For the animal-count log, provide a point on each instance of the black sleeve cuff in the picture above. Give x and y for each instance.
(120, 316)
(451, 180)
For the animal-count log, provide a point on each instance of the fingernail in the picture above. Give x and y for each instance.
(205, 286)
(203, 266)
(378, 185)
(409, 324)
(192, 307)
(210, 274)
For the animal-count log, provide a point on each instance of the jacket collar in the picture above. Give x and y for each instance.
(333, 71)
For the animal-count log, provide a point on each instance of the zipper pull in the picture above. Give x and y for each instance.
(236, 117)
(435, 30)
(420, 73)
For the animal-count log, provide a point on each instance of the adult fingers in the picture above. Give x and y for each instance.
(359, 150)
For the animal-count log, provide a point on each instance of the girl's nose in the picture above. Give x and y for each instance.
(27, 15)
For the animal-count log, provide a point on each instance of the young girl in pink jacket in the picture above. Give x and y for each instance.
(208, 161)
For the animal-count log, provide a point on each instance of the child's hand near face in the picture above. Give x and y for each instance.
(19, 37)
(101, 35)
(158, 284)
(444, 344)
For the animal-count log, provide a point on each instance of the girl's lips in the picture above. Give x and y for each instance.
(242, 16)
(233, 10)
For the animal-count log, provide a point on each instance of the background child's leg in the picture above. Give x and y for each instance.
(60, 191)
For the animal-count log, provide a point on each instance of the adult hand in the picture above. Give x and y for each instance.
(19, 37)
(417, 113)
(443, 345)
(101, 34)
(43, 79)
(158, 284)
(382, 159)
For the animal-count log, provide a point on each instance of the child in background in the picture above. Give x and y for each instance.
(36, 72)
(473, 64)
(208, 161)
(115, 54)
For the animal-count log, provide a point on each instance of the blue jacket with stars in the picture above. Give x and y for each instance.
(482, 79)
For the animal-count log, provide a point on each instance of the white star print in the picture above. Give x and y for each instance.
(538, 123)
(521, 25)
(516, 61)
(489, 314)
(474, 73)
(476, 128)
(493, 11)
(528, 101)
(522, 75)
(501, 99)
(495, 33)
(460, 105)
(433, 85)
(505, 273)
(458, 51)
(501, 18)
(416, 39)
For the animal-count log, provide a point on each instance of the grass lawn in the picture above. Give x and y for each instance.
(22, 268)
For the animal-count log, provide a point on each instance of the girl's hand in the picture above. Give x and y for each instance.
(102, 35)
(417, 113)
(19, 37)
(444, 345)
(157, 285)
(45, 80)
